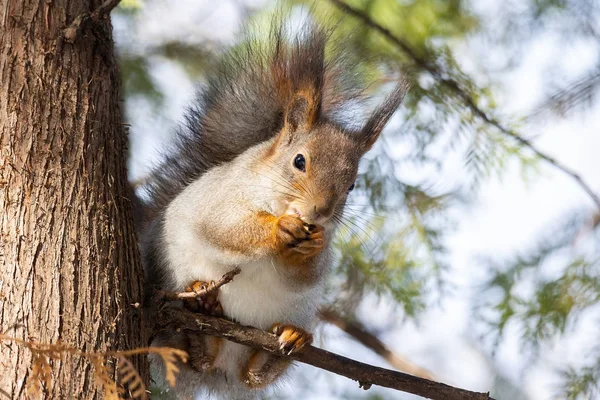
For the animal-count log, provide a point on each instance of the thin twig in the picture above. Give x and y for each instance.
(71, 31)
(365, 374)
(453, 85)
(359, 333)
(171, 296)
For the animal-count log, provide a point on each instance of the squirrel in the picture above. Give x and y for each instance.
(258, 179)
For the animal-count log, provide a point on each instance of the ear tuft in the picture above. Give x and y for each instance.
(375, 124)
(297, 114)
(298, 68)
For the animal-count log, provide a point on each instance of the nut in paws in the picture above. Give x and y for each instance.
(297, 238)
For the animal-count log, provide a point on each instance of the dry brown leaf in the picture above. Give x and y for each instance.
(131, 379)
(111, 391)
(169, 356)
(41, 373)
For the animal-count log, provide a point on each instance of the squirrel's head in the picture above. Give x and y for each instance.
(313, 163)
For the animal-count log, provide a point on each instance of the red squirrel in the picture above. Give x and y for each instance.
(258, 180)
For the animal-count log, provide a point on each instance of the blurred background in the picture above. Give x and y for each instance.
(471, 250)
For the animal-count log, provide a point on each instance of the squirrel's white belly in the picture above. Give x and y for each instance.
(258, 296)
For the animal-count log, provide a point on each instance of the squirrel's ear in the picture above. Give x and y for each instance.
(299, 72)
(375, 124)
(303, 110)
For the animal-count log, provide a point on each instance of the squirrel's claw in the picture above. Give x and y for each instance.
(291, 338)
(199, 286)
(206, 304)
(312, 245)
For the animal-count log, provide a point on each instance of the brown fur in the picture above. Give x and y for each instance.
(203, 350)
(262, 369)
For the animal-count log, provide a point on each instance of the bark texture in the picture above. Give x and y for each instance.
(69, 266)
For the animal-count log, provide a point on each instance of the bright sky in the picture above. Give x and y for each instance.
(506, 216)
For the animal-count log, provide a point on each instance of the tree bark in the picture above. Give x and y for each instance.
(69, 264)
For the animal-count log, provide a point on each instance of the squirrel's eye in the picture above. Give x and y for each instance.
(300, 162)
(351, 188)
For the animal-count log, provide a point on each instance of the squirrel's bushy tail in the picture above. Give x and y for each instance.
(242, 102)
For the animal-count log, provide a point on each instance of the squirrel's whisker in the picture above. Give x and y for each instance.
(358, 211)
(285, 186)
(356, 235)
(365, 221)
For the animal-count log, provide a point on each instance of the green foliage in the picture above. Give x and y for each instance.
(546, 309)
(135, 73)
(194, 59)
(391, 271)
(131, 4)
(393, 242)
(583, 382)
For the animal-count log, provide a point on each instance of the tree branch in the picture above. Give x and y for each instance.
(365, 374)
(571, 96)
(359, 333)
(105, 8)
(455, 87)
(71, 31)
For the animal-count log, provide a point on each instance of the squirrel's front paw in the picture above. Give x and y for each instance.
(298, 240)
(291, 338)
(207, 304)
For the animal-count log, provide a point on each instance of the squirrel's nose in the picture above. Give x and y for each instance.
(323, 211)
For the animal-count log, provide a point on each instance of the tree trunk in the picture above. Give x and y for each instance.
(69, 265)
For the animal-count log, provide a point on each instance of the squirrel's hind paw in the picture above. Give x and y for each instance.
(203, 351)
(207, 304)
(263, 369)
(291, 338)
